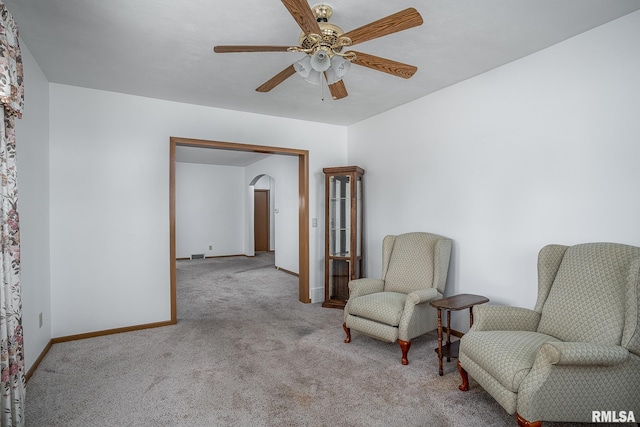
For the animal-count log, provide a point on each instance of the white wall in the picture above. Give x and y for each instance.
(283, 170)
(209, 210)
(32, 141)
(542, 150)
(110, 197)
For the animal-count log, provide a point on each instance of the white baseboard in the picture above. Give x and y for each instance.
(316, 294)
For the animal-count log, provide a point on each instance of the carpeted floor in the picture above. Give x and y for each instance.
(245, 352)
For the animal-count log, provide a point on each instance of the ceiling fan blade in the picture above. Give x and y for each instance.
(399, 21)
(338, 90)
(236, 49)
(385, 65)
(277, 79)
(303, 15)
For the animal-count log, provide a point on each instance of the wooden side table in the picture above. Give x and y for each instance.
(455, 303)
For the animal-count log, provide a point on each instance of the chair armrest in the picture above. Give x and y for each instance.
(580, 376)
(417, 316)
(423, 295)
(582, 354)
(366, 286)
(504, 318)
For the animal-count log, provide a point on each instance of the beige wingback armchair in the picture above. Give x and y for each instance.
(396, 307)
(576, 352)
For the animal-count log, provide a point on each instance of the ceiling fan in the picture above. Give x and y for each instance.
(326, 47)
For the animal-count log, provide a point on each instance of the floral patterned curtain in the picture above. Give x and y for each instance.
(12, 381)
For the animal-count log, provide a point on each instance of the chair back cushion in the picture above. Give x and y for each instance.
(411, 263)
(587, 300)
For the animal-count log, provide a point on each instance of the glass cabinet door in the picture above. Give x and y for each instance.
(339, 215)
(343, 251)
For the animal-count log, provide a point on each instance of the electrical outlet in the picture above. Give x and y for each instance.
(40, 320)
(210, 247)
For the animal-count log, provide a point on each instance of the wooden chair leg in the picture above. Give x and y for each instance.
(404, 345)
(348, 331)
(524, 423)
(465, 378)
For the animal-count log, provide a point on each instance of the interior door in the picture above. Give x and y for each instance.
(261, 220)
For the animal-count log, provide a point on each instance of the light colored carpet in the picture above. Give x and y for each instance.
(245, 352)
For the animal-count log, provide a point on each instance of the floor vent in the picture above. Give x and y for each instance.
(197, 256)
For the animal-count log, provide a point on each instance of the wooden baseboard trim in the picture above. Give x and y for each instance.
(53, 341)
(215, 256)
(111, 331)
(35, 365)
(227, 256)
(287, 271)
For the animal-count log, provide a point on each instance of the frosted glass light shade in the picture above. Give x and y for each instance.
(314, 77)
(339, 68)
(320, 60)
(303, 67)
(311, 67)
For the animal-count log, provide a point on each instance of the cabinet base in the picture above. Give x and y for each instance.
(334, 304)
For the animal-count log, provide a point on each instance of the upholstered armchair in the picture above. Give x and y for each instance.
(396, 307)
(576, 352)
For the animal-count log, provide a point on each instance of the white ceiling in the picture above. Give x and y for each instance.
(164, 49)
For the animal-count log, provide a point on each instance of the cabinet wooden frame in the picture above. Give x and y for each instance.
(353, 260)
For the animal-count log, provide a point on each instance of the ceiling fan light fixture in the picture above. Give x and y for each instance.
(320, 60)
(314, 77)
(305, 70)
(339, 68)
(330, 74)
(303, 67)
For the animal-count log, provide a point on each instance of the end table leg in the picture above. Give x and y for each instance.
(449, 334)
(440, 371)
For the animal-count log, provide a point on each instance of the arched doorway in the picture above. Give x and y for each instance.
(263, 224)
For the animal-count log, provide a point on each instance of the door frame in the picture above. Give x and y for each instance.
(303, 206)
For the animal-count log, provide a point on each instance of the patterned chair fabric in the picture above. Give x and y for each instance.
(577, 351)
(396, 307)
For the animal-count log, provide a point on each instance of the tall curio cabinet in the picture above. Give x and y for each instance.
(343, 233)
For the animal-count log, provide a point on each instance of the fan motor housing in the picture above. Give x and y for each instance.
(330, 35)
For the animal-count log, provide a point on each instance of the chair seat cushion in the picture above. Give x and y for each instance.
(505, 355)
(383, 307)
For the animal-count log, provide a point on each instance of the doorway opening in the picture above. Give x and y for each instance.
(261, 220)
(303, 206)
(263, 188)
